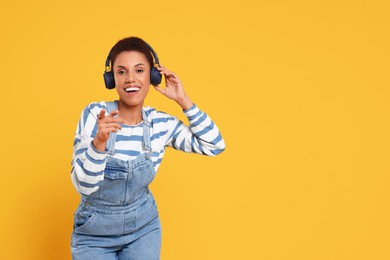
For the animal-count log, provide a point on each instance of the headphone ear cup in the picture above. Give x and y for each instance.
(109, 79)
(155, 76)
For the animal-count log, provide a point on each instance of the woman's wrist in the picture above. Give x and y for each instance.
(99, 145)
(185, 102)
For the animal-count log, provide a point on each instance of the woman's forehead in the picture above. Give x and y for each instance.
(130, 58)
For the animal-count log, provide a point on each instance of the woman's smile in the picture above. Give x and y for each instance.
(132, 91)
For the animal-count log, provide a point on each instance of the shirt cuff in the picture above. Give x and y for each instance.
(191, 111)
(95, 154)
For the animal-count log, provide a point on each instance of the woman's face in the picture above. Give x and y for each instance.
(132, 77)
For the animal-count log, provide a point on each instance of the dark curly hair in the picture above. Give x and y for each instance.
(131, 44)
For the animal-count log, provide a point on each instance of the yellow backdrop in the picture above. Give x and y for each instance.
(299, 89)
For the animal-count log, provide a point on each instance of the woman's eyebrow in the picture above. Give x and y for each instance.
(123, 67)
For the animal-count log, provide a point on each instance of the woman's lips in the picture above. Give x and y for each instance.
(132, 90)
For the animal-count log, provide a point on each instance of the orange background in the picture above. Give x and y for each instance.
(299, 89)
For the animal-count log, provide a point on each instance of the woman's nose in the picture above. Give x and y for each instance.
(130, 77)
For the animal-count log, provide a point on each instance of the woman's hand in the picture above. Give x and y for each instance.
(106, 125)
(174, 89)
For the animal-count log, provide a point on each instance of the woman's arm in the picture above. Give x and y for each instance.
(89, 155)
(202, 136)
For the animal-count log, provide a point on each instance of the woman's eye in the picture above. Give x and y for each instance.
(139, 70)
(121, 72)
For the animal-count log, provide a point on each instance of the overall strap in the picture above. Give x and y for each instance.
(111, 106)
(146, 134)
(146, 131)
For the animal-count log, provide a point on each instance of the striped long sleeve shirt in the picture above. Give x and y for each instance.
(201, 136)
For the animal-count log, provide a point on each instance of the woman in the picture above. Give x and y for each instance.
(118, 149)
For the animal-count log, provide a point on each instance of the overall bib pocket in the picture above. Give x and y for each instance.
(115, 184)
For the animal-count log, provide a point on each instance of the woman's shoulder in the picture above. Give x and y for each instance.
(94, 108)
(100, 104)
(155, 115)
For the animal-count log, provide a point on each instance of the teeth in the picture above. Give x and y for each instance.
(132, 89)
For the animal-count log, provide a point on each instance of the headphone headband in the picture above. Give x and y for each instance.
(154, 54)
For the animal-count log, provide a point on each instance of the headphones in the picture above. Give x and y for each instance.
(155, 76)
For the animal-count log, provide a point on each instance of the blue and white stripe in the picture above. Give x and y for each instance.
(201, 136)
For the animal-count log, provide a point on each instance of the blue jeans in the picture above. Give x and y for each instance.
(143, 244)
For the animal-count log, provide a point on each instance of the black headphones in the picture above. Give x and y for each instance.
(155, 76)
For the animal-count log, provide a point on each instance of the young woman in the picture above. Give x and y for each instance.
(118, 149)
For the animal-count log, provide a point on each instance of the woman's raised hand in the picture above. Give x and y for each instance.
(174, 89)
(106, 125)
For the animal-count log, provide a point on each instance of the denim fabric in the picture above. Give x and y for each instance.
(120, 220)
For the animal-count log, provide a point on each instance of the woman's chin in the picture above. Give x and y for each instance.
(131, 102)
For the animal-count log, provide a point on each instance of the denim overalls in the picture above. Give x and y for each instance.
(120, 220)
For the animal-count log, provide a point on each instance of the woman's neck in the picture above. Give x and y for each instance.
(131, 114)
